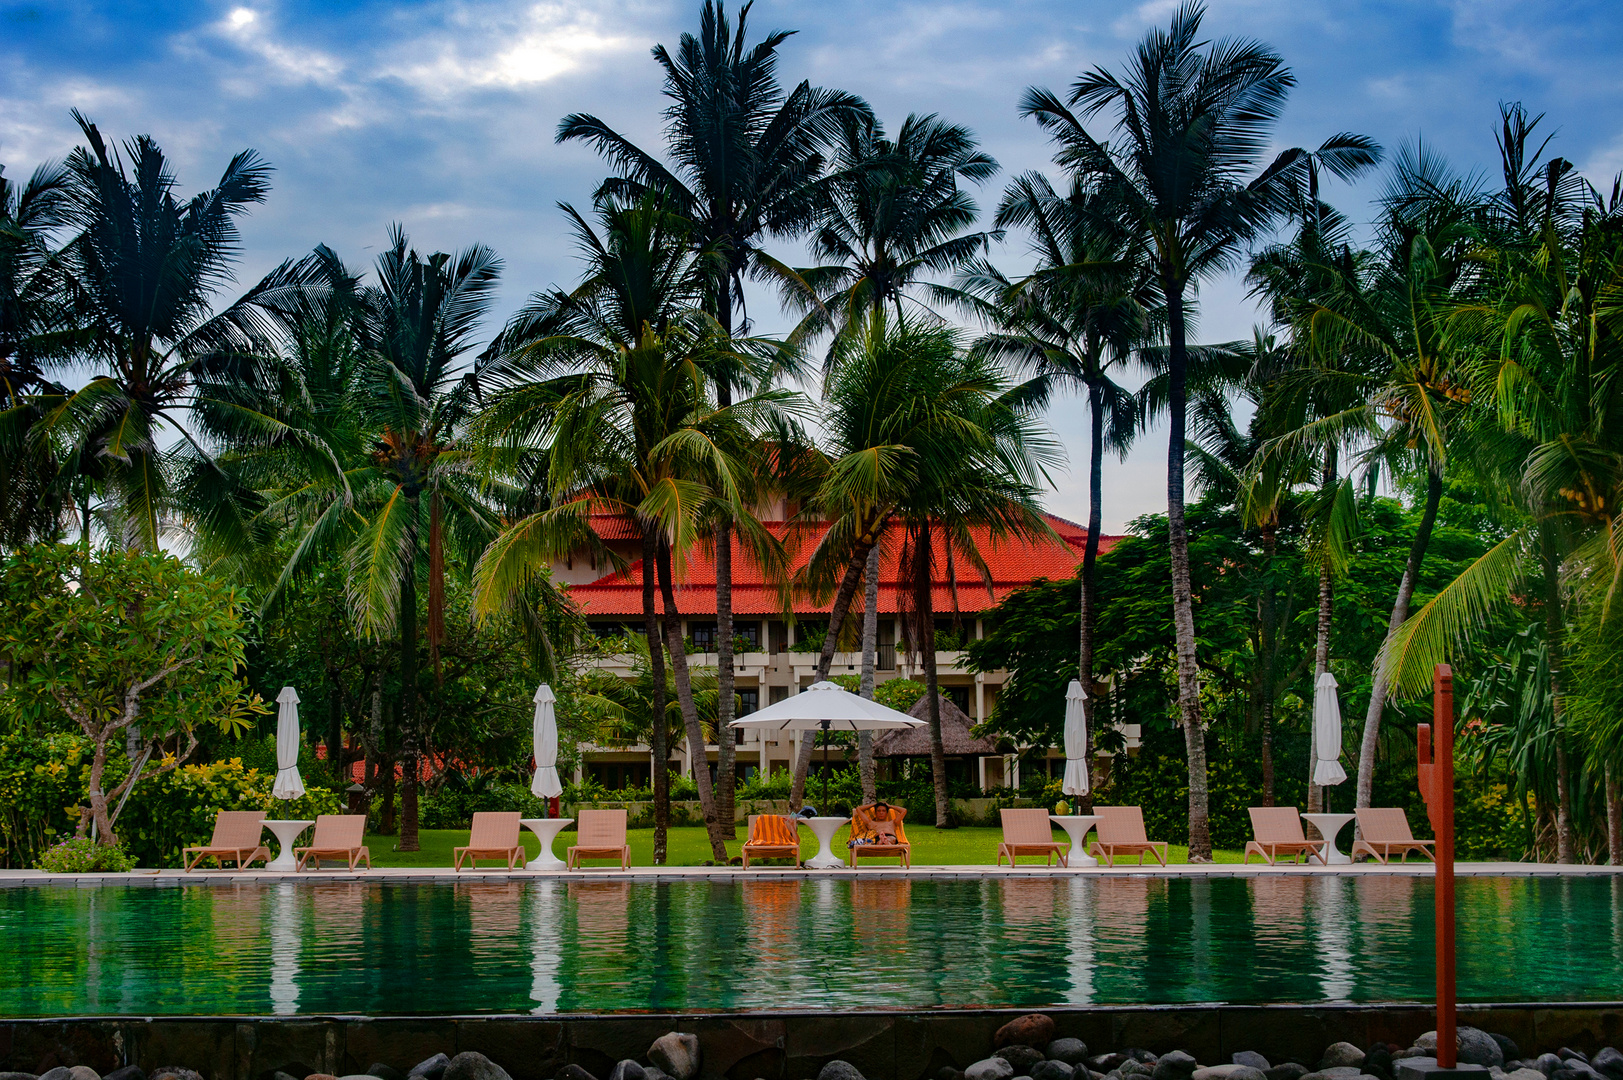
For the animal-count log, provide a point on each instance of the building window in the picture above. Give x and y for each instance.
(959, 696)
(779, 693)
(748, 701)
(704, 635)
(749, 633)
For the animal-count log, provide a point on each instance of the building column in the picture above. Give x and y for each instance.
(980, 763)
(980, 697)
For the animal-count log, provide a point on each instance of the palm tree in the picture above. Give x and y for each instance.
(926, 435)
(1073, 322)
(895, 212)
(609, 384)
(744, 156)
(371, 463)
(35, 327)
(1194, 118)
(138, 276)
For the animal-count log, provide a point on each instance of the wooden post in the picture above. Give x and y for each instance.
(1437, 787)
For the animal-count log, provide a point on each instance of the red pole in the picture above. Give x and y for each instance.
(1437, 786)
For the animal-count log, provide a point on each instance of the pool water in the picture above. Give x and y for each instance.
(592, 946)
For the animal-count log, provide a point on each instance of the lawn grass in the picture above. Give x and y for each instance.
(688, 846)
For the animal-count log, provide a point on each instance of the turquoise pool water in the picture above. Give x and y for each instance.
(550, 946)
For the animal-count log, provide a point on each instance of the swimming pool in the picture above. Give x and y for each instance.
(548, 946)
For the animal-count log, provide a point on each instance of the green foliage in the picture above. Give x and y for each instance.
(119, 637)
(898, 694)
(42, 784)
(83, 855)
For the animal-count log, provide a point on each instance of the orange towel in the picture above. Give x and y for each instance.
(774, 830)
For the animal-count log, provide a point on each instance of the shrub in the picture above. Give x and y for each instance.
(82, 855)
(40, 779)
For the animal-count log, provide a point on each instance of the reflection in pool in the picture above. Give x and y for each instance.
(547, 946)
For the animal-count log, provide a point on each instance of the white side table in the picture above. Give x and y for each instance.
(824, 829)
(1328, 825)
(546, 830)
(1077, 827)
(286, 832)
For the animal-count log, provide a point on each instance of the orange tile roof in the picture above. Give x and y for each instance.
(1013, 563)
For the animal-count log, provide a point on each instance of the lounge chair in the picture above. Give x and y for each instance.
(1383, 831)
(1121, 832)
(602, 835)
(338, 836)
(772, 836)
(1029, 832)
(494, 836)
(1278, 832)
(236, 837)
(883, 823)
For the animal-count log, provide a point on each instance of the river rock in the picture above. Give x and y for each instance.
(1141, 1055)
(1477, 1047)
(359, 1076)
(628, 1070)
(1033, 1029)
(1105, 1062)
(128, 1072)
(992, 1068)
(61, 1072)
(1335, 1072)
(1053, 1070)
(1175, 1065)
(1286, 1070)
(839, 1070)
(654, 1072)
(1508, 1050)
(1228, 1072)
(1022, 1057)
(677, 1053)
(175, 1072)
(472, 1065)
(1547, 1063)
(947, 1072)
(574, 1072)
(1071, 1051)
(431, 1069)
(1253, 1059)
(1341, 1055)
(1568, 1052)
(83, 1072)
(1608, 1061)
(17, 1076)
(383, 1072)
(1523, 1074)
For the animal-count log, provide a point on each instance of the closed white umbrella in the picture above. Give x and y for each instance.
(1076, 741)
(827, 706)
(289, 785)
(545, 782)
(1327, 768)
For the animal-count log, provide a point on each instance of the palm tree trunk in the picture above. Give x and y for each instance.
(1268, 611)
(726, 736)
(932, 691)
(408, 694)
(1614, 817)
(870, 649)
(1183, 610)
(825, 659)
(690, 713)
(661, 752)
(1554, 640)
(1400, 612)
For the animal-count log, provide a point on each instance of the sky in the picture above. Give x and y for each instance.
(440, 116)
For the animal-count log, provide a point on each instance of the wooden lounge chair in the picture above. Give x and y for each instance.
(1383, 831)
(236, 837)
(882, 821)
(602, 835)
(494, 835)
(1121, 832)
(1278, 831)
(1029, 832)
(772, 836)
(338, 836)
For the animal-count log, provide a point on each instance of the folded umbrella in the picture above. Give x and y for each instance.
(1076, 741)
(1327, 768)
(289, 785)
(545, 783)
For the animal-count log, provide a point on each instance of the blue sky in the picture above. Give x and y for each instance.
(440, 116)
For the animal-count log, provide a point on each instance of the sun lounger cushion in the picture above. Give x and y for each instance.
(773, 830)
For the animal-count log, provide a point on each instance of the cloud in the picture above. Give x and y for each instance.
(253, 32)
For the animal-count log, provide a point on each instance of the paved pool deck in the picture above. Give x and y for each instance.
(13, 878)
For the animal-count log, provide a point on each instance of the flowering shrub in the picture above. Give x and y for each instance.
(82, 855)
(40, 779)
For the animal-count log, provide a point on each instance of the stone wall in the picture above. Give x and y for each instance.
(747, 1046)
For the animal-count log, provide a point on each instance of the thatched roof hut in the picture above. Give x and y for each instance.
(915, 742)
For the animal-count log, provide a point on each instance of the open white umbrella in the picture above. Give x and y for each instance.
(1327, 768)
(1076, 741)
(545, 782)
(289, 785)
(826, 706)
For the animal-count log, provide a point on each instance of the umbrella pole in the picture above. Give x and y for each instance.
(826, 809)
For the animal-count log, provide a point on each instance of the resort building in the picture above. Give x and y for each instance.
(777, 656)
